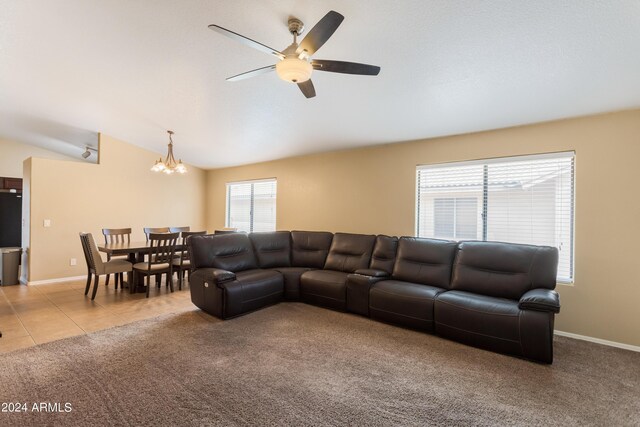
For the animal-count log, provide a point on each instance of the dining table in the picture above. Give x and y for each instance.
(135, 252)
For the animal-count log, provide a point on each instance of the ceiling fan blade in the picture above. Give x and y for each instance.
(321, 32)
(307, 88)
(246, 41)
(345, 67)
(252, 73)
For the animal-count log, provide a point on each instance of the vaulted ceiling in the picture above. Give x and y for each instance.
(135, 68)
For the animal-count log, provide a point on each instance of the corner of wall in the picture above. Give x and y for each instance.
(26, 220)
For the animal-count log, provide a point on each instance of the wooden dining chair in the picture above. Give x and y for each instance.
(114, 236)
(96, 266)
(182, 264)
(179, 229)
(149, 230)
(162, 247)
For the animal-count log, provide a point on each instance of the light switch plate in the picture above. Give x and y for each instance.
(47, 223)
(73, 261)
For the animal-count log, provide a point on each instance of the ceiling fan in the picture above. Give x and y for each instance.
(296, 64)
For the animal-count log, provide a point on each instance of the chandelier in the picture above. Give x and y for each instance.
(169, 165)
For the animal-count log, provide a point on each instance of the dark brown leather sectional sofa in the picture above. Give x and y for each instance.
(498, 296)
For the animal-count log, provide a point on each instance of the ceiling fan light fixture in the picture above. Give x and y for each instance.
(294, 70)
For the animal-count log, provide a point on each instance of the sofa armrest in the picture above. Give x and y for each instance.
(216, 275)
(372, 272)
(222, 276)
(358, 287)
(540, 300)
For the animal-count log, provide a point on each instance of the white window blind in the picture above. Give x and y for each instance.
(526, 199)
(251, 205)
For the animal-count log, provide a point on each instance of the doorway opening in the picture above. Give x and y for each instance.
(10, 212)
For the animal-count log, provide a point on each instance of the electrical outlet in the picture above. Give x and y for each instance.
(73, 261)
(46, 223)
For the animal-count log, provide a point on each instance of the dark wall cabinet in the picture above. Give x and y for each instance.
(12, 183)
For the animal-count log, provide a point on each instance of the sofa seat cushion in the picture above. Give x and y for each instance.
(251, 290)
(479, 320)
(405, 303)
(327, 288)
(185, 263)
(144, 266)
(291, 277)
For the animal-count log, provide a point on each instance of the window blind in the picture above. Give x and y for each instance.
(525, 199)
(251, 205)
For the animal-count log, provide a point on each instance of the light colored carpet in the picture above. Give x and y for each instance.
(294, 364)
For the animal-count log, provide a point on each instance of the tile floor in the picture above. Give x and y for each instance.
(35, 314)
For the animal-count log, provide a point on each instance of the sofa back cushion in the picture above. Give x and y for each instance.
(231, 252)
(349, 252)
(310, 248)
(504, 270)
(426, 261)
(384, 253)
(273, 249)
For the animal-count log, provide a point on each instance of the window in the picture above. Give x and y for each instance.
(251, 205)
(526, 199)
(455, 217)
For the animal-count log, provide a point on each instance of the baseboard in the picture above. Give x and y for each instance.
(599, 341)
(61, 279)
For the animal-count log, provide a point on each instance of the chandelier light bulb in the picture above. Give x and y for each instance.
(181, 168)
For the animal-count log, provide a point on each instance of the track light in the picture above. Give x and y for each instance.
(87, 152)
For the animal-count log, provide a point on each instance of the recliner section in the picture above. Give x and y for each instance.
(227, 279)
(273, 250)
(328, 287)
(497, 296)
(502, 299)
(421, 272)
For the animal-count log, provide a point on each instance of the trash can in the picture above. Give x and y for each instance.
(9, 266)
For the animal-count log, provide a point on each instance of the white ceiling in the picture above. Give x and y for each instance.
(135, 68)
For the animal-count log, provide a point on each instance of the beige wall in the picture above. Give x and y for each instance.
(372, 190)
(12, 154)
(121, 191)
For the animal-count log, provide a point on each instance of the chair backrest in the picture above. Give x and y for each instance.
(186, 234)
(149, 230)
(232, 252)
(384, 253)
(349, 252)
(184, 240)
(503, 270)
(310, 248)
(424, 261)
(179, 229)
(162, 247)
(272, 248)
(91, 254)
(116, 235)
